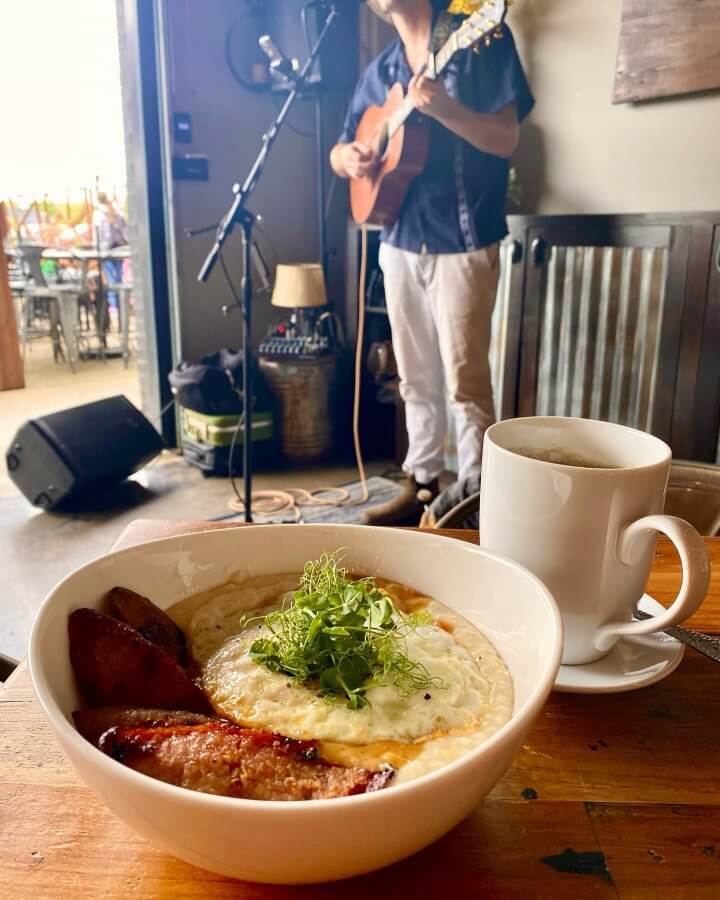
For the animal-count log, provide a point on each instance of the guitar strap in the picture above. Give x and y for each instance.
(445, 25)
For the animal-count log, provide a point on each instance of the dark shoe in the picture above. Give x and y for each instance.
(406, 508)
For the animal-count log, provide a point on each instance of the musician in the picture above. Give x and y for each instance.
(440, 259)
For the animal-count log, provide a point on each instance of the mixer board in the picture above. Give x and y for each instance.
(278, 346)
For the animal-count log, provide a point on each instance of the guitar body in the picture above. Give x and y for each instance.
(378, 199)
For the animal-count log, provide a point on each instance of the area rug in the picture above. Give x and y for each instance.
(380, 490)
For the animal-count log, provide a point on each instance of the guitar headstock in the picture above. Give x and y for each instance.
(482, 25)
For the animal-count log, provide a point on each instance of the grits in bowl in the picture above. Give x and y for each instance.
(469, 698)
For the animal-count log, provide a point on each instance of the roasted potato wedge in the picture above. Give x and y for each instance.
(116, 666)
(152, 623)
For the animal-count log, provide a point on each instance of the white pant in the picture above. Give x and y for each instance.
(440, 309)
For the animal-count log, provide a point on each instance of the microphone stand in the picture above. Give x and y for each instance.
(239, 214)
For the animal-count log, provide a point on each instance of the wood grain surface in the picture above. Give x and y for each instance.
(12, 374)
(667, 47)
(612, 796)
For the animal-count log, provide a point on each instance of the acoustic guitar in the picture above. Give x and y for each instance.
(400, 143)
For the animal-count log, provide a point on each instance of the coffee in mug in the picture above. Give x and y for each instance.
(563, 456)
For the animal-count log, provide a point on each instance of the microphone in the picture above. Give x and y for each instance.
(280, 66)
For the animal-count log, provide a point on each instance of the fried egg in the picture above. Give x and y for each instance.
(473, 697)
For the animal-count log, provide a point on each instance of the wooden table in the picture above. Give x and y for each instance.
(612, 796)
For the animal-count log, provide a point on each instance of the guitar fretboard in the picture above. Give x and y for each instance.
(475, 28)
(437, 66)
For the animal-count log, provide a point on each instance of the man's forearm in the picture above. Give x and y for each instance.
(494, 133)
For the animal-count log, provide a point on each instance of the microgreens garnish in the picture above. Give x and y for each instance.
(343, 636)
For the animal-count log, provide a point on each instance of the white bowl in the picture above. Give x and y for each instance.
(319, 840)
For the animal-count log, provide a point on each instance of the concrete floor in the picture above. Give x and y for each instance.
(37, 548)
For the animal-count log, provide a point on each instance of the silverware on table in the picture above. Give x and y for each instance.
(706, 644)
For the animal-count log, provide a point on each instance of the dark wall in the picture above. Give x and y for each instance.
(228, 121)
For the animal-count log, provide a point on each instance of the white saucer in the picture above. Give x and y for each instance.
(633, 662)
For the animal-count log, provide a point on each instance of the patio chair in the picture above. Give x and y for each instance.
(694, 494)
(55, 304)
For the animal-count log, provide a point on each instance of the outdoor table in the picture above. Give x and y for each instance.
(68, 299)
(613, 796)
(59, 254)
(85, 253)
(123, 290)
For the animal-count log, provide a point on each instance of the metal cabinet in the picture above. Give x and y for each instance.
(615, 318)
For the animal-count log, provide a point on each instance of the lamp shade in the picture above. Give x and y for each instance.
(299, 286)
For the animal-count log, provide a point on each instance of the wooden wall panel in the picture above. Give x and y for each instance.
(667, 47)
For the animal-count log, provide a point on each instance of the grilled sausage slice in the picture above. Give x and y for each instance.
(93, 723)
(226, 759)
(116, 666)
(152, 623)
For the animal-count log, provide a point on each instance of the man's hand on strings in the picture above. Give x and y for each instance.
(431, 97)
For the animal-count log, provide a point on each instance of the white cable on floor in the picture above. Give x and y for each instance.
(292, 500)
(362, 281)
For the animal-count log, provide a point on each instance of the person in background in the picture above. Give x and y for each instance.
(440, 259)
(111, 230)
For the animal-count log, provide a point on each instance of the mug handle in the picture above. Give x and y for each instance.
(695, 576)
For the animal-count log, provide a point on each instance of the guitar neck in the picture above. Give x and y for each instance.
(438, 64)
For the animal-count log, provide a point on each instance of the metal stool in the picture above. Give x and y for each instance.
(694, 494)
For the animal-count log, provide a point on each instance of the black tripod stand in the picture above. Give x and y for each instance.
(239, 214)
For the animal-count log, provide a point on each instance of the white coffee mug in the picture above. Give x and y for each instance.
(587, 532)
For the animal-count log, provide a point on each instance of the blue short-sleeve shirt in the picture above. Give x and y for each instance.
(457, 204)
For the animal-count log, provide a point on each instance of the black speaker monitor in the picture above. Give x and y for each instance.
(57, 458)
